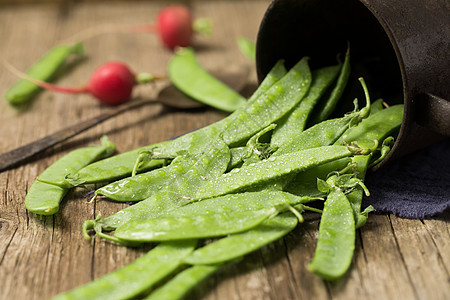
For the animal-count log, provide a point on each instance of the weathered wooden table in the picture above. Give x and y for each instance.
(42, 256)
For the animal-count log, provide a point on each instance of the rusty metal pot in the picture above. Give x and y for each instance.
(401, 48)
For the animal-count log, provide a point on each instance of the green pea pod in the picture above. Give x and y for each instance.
(45, 70)
(247, 201)
(189, 77)
(121, 165)
(46, 193)
(116, 167)
(182, 283)
(325, 108)
(240, 244)
(144, 185)
(184, 174)
(271, 169)
(324, 133)
(185, 179)
(192, 227)
(292, 124)
(136, 277)
(271, 106)
(336, 241)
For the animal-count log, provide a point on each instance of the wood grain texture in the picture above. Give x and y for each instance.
(41, 256)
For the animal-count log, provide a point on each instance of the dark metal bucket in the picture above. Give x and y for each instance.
(401, 48)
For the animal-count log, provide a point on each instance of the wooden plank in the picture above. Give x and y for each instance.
(42, 256)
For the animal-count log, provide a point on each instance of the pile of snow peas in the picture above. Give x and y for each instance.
(239, 183)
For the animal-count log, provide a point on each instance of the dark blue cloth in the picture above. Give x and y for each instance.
(415, 186)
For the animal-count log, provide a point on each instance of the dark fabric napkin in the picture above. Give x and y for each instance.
(415, 186)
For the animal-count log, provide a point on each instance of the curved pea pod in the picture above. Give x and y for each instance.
(117, 166)
(271, 169)
(184, 180)
(189, 77)
(185, 174)
(47, 191)
(144, 185)
(270, 106)
(336, 240)
(44, 69)
(192, 227)
(183, 282)
(247, 201)
(294, 123)
(326, 106)
(323, 134)
(240, 244)
(136, 277)
(376, 127)
(276, 73)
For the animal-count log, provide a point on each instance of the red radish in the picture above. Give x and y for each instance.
(175, 26)
(111, 83)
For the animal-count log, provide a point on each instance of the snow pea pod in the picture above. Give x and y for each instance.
(326, 107)
(136, 277)
(336, 240)
(276, 102)
(209, 218)
(294, 123)
(144, 185)
(236, 245)
(189, 77)
(192, 227)
(186, 172)
(183, 282)
(324, 133)
(270, 169)
(44, 69)
(247, 201)
(185, 180)
(163, 205)
(122, 165)
(115, 167)
(46, 193)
